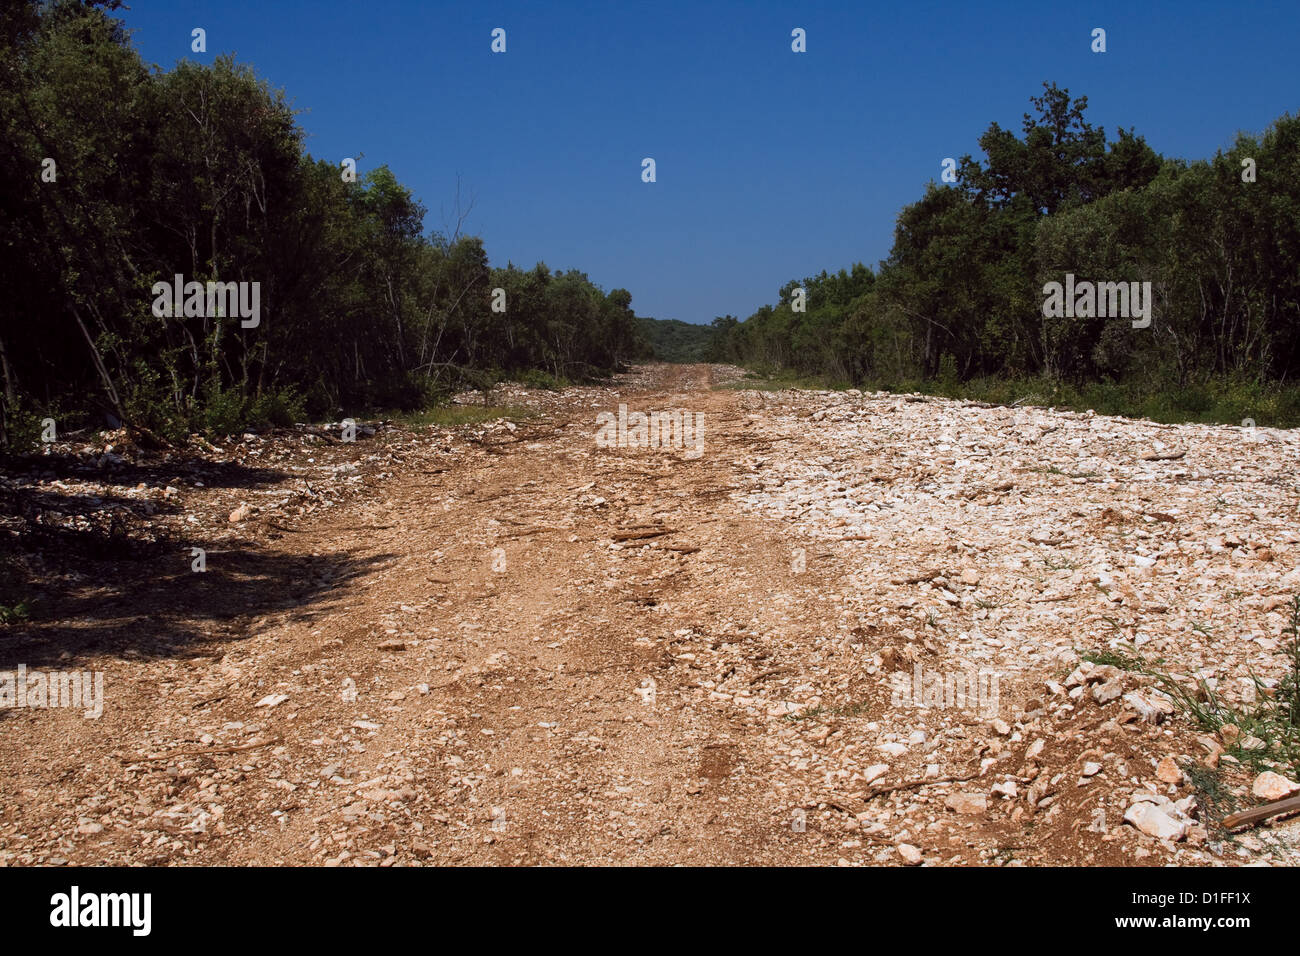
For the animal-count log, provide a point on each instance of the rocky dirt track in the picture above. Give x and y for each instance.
(507, 644)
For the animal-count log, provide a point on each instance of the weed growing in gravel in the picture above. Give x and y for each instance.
(1113, 624)
(1267, 732)
(1211, 792)
(13, 613)
(1114, 658)
(848, 710)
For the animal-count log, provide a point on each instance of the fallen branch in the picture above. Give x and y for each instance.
(1263, 812)
(638, 535)
(915, 785)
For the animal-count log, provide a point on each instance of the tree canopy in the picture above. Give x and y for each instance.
(123, 176)
(961, 295)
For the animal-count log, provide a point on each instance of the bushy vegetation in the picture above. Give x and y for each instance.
(201, 171)
(1264, 733)
(957, 308)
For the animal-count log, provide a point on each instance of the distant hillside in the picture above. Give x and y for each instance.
(674, 340)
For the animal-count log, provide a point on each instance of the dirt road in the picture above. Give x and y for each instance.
(517, 646)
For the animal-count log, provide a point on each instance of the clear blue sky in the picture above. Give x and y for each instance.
(772, 165)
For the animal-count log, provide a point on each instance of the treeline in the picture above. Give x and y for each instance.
(959, 303)
(119, 176)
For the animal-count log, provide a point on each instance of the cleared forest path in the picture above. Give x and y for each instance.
(565, 719)
(535, 649)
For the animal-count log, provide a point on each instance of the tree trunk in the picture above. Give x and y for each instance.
(104, 377)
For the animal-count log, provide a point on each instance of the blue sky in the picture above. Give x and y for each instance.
(771, 165)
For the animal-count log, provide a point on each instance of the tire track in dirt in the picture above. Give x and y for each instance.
(556, 755)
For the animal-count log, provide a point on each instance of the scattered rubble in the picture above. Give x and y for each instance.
(850, 632)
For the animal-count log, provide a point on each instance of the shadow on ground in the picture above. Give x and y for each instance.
(155, 473)
(98, 609)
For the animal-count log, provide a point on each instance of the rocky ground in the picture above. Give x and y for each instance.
(854, 629)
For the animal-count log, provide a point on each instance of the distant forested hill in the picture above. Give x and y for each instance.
(676, 341)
